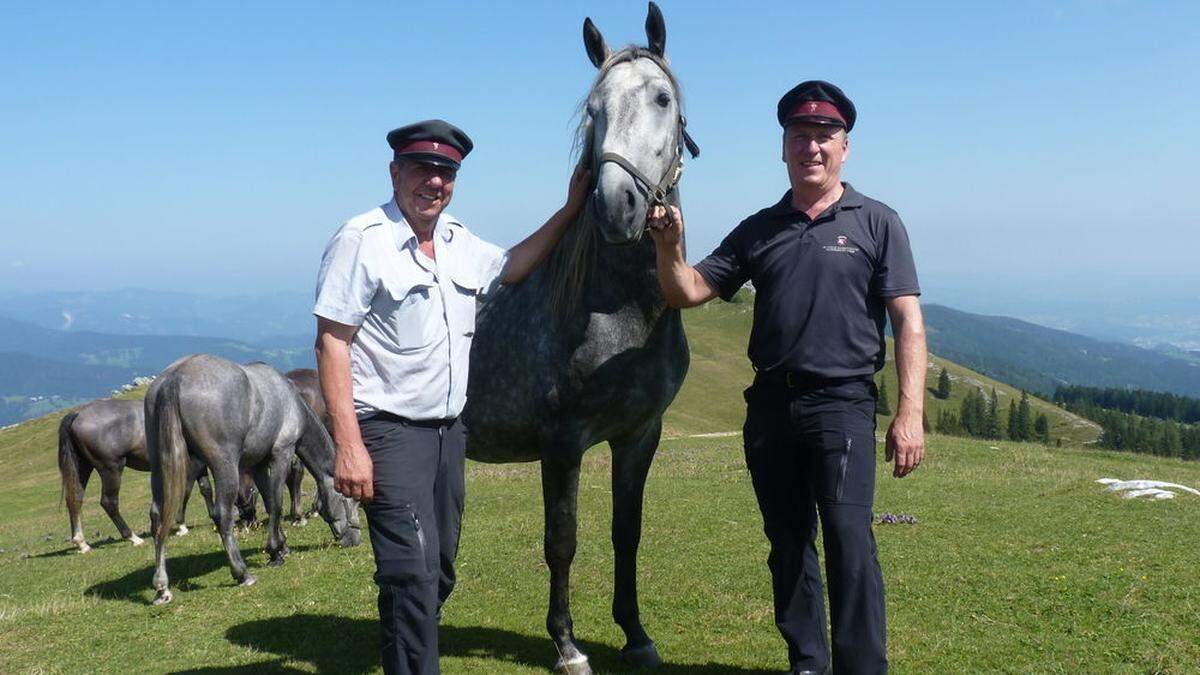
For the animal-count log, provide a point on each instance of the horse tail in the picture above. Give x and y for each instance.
(165, 441)
(68, 463)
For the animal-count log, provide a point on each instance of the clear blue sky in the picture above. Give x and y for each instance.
(216, 148)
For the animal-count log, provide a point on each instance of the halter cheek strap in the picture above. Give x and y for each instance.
(657, 192)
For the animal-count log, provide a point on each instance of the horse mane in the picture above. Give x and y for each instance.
(574, 256)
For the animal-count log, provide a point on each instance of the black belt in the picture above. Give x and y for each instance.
(794, 379)
(427, 424)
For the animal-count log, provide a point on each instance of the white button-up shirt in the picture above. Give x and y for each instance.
(416, 316)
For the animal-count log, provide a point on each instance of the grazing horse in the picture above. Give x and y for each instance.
(306, 381)
(600, 355)
(105, 436)
(234, 418)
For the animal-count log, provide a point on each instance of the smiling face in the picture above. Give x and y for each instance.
(814, 154)
(422, 191)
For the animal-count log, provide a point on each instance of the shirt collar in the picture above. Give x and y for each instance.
(850, 199)
(403, 232)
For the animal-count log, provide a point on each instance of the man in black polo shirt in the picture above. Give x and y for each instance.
(826, 263)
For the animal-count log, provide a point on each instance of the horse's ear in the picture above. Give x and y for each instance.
(656, 30)
(597, 51)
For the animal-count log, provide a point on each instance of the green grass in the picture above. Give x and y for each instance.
(1020, 563)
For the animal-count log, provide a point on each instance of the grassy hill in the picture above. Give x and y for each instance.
(711, 398)
(1019, 563)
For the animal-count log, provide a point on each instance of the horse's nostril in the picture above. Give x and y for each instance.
(630, 199)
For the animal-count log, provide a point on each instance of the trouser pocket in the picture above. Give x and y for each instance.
(399, 544)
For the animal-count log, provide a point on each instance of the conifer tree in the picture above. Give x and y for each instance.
(943, 385)
(992, 425)
(1013, 433)
(1042, 428)
(882, 407)
(1024, 419)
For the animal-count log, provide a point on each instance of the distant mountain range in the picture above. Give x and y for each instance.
(1037, 358)
(254, 319)
(39, 364)
(62, 348)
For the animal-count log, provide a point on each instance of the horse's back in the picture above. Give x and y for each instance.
(112, 430)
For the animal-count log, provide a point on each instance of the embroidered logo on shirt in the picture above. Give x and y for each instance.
(841, 245)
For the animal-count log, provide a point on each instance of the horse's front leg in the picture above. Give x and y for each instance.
(295, 479)
(631, 463)
(560, 490)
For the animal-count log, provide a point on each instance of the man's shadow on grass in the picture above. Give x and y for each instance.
(337, 644)
(135, 586)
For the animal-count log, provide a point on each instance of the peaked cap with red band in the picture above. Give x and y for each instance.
(431, 142)
(818, 102)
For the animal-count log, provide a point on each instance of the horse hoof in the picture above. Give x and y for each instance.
(575, 666)
(250, 580)
(182, 531)
(274, 562)
(136, 540)
(84, 548)
(162, 597)
(642, 656)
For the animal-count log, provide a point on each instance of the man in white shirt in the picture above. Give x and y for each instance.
(395, 311)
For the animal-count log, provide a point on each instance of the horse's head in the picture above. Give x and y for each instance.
(632, 131)
(341, 513)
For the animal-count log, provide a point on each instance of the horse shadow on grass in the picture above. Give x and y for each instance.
(337, 644)
(135, 586)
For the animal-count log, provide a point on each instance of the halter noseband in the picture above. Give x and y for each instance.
(657, 192)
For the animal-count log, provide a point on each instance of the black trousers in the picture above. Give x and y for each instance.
(414, 521)
(810, 450)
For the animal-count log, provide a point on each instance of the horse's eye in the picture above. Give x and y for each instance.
(664, 99)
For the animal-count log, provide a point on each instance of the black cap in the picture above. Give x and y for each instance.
(432, 142)
(816, 101)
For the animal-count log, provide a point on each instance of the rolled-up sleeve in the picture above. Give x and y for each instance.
(345, 285)
(724, 269)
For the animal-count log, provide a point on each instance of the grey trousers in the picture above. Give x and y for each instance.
(414, 521)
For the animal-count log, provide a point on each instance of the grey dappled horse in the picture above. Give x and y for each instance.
(586, 349)
(234, 418)
(106, 436)
(306, 381)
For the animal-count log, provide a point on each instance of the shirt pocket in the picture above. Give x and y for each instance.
(413, 315)
(466, 282)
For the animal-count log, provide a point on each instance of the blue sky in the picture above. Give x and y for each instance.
(215, 148)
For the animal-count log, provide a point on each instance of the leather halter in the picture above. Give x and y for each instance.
(657, 192)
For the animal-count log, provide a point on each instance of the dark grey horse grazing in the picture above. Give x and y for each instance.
(105, 436)
(307, 383)
(234, 418)
(586, 350)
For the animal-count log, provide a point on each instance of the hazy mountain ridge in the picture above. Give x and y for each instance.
(1037, 358)
(39, 364)
(250, 318)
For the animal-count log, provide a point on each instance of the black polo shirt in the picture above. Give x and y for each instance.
(819, 284)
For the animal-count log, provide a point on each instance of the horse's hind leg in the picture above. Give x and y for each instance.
(75, 506)
(560, 491)
(110, 489)
(294, 479)
(631, 464)
(269, 476)
(225, 482)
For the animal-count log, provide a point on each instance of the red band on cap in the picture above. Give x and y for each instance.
(444, 149)
(816, 109)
